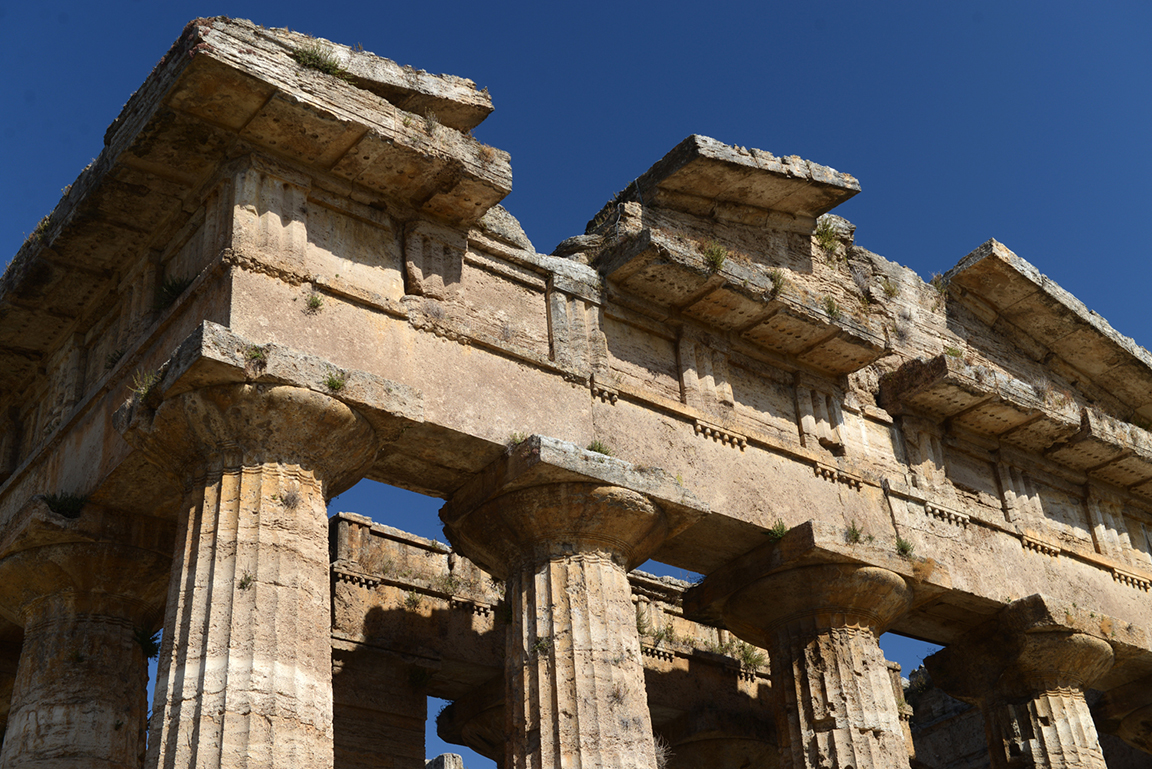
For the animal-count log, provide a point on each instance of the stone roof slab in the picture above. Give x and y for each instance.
(999, 284)
(703, 176)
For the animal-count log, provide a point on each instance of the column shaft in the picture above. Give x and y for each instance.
(575, 694)
(245, 670)
(1053, 728)
(79, 700)
(245, 677)
(576, 683)
(836, 706)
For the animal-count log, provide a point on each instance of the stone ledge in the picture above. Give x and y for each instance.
(705, 177)
(995, 283)
(1107, 448)
(983, 401)
(1048, 422)
(741, 298)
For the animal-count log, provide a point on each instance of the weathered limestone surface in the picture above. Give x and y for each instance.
(244, 679)
(835, 705)
(949, 734)
(75, 586)
(260, 239)
(574, 686)
(1028, 675)
(398, 597)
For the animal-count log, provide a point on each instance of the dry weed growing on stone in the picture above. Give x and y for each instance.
(600, 447)
(714, 256)
(320, 57)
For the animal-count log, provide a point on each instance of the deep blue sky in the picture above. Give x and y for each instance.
(1028, 122)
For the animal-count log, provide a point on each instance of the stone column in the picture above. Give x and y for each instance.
(1029, 684)
(834, 701)
(245, 675)
(79, 699)
(574, 678)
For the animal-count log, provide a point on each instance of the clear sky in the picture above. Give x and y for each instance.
(1028, 122)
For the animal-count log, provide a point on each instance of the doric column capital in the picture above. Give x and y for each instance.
(250, 424)
(103, 562)
(1019, 654)
(534, 524)
(820, 597)
(835, 706)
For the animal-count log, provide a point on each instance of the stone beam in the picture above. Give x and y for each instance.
(704, 177)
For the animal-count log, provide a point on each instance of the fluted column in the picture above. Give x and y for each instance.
(79, 699)
(1030, 685)
(574, 678)
(245, 676)
(833, 696)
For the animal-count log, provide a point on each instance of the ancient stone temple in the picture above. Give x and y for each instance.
(288, 270)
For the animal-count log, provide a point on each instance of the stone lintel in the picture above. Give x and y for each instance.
(705, 177)
(213, 355)
(539, 460)
(809, 544)
(740, 297)
(1004, 285)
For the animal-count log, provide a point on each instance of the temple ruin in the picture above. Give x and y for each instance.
(288, 270)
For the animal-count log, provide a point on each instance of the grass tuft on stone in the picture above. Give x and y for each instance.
(320, 57)
(600, 447)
